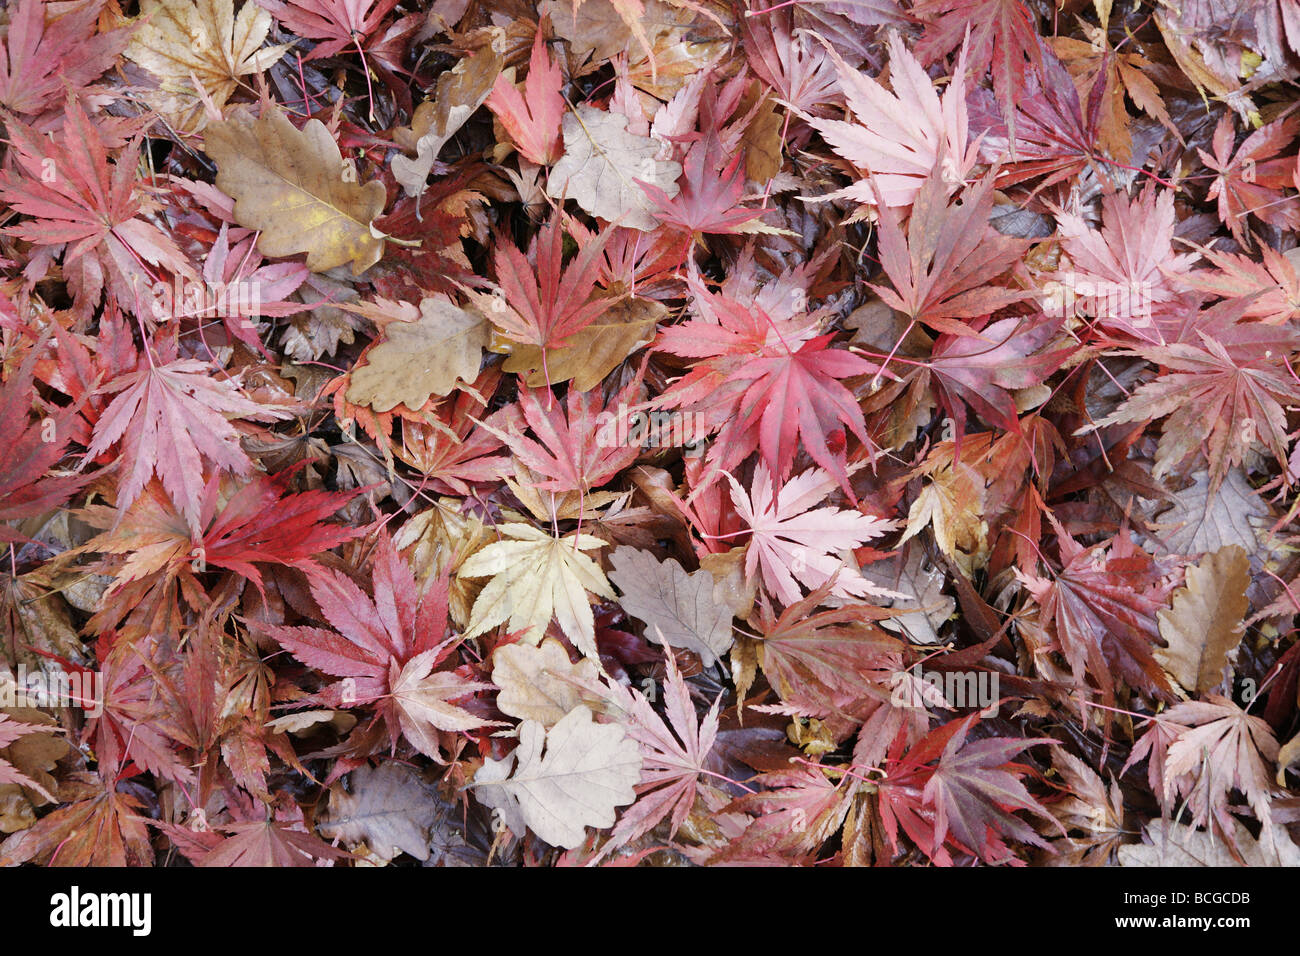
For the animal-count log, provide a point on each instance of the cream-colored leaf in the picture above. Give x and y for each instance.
(539, 683)
(679, 609)
(601, 165)
(294, 186)
(180, 41)
(587, 770)
(420, 359)
(593, 352)
(1204, 624)
(1175, 844)
(535, 578)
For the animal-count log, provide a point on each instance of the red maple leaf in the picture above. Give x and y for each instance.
(532, 121)
(46, 51)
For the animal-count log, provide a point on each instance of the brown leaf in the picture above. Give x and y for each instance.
(294, 186)
(1205, 625)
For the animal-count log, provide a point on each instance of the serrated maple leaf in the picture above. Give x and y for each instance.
(31, 449)
(1205, 750)
(1044, 131)
(673, 761)
(78, 199)
(997, 36)
(170, 419)
(1102, 606)
(10, 731)
(709, 194)
(386, 648)
(792, 543)
(903, 136)
(802, 74)
(256, 835)
(1250, 181)
(340, 23)
(943, 269)
(824, 662)
(572, 450)
(545, 305)
(965, 801)
(536, 577)
(796, 812)
(1271, 289)
(1132, 254)
(770, 384)
(47, 50)
(1222, 394)
(532, 119)
(102, 828)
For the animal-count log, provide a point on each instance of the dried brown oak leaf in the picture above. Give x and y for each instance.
(294, 186)
(422, 357)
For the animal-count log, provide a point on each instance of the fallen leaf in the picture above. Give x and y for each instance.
(679, 609)
(539, 683)
(1204, 626)
(294, 186)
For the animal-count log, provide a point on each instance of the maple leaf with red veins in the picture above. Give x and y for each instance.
(450, 451)
(257, 835)
(31, 449)
(1102, 608)
(982, 369)
(532, 119)
(138, 729)
(46, 51)
(944, 268)
(573, 448)
(101, 828)
(1222, 394)
(90, 206)
(1052, 135)
(546, 305)
(710, 193)
(673, 761)
(1129, 263)
(822, 663)
(965, 801)
(792, 543)
(81, 364)
(796, 812)
(996, 35)
(1271, 289)
(802, 74)
(1204, 750)
(171, 419)
(386, 648)
(903, 136)
(768, 383)
(340, 23)
(1251, 180)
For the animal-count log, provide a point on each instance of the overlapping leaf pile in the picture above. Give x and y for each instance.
(836, 432)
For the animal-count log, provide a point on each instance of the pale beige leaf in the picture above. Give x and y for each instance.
(539, 683)
(535, 578)
(679, 609)
(593, 352)
(1175, 844)
(388, 808)
(1204, 624)
(587, 770)
(1202, 521)
(601, 165)
(910, 574)
(180, 41)
(294, 186)
(423, 696)
(421, 359)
